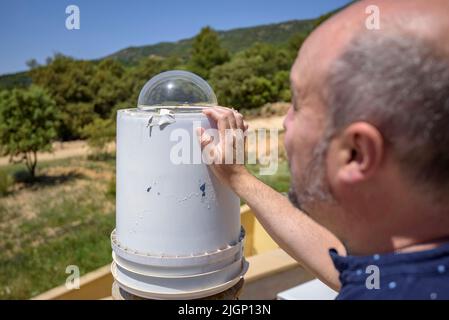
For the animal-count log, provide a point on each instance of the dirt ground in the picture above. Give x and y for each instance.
(274, 122)
(71, 206)
(63, 150)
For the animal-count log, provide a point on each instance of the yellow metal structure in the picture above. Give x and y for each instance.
(270, 269)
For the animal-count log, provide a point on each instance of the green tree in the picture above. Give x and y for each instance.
(99, 133)
(74, 117)
(281, 80)
(28, 124)
(253, 78)
(32, 63)
(207, 53)
(109, 86)
(145, 70)
(295, 42)
(68, 81)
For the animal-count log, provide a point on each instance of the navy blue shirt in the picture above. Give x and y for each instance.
(415, 275)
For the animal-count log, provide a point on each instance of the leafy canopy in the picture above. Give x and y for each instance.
(28, 124)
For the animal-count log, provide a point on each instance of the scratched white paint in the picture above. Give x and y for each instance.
(178, 232)
(160, 207)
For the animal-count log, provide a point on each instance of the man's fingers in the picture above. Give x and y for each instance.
(239, 120)
(232, 120)
(230, 115)
(221, 118)
(221, 109)
(213, 112)
(228, 119)
(203, 137)
(235, 118)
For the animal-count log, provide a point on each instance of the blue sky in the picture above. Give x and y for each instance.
(36, 28)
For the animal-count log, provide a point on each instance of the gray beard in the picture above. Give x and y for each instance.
(312, 186)
(293, 198)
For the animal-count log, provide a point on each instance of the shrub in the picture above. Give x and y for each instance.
(5, 183)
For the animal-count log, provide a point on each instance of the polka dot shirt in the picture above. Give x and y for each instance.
(422, 275)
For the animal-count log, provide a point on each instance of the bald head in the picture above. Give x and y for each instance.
(422, 19)
(379, 76)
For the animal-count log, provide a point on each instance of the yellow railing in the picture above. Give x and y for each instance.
(270, 269)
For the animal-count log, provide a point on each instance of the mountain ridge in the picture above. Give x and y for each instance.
(233, 40)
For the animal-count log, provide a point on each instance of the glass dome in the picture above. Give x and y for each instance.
(174, 89)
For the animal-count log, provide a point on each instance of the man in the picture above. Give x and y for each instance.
(367, 140)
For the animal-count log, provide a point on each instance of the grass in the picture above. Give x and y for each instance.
(64, 218)
(280, 181)
(52, 223)
(5, 183)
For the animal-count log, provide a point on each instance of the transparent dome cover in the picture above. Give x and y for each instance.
(174, 89)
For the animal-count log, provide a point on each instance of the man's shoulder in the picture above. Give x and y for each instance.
(417, 275)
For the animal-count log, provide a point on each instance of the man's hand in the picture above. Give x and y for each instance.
(295, 232)
(231, 132)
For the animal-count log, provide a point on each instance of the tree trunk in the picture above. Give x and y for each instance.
(31, 162)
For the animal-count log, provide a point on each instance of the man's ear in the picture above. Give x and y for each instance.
(361, 152)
